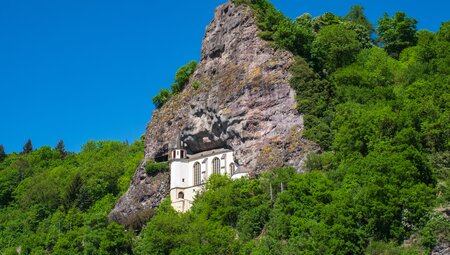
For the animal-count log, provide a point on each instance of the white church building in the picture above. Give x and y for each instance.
(189, 173)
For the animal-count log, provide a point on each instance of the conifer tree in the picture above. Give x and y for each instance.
(356, 14)
(2, 153)
(28, 147)
(73, 190)
(60, 147)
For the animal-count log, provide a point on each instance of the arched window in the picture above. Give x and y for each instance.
(197, 174)
(216, 166)
(181, 195)
(232, 168)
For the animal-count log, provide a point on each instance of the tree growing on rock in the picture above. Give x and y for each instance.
(182, 76)
(162, 97)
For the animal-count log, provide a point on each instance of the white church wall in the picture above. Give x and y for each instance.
(182, 175)
(178, 174)
(185, 203)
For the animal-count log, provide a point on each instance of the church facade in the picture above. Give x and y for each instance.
(189, 173)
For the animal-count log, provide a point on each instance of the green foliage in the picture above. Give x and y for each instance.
(2, 153)
(397, 33)
(391, 248)
(28, 147)
(362, 35)
(293, 36)
(50, 204)
(321, 162)
(196, 85)
(327, 19)
(182, 76)
(356, 15)
(267, 16)
(171, 233)
(436, 229)
(314, 100)
(60, 147)
(181, 79)
(315, 213)
(161, 98)
(153, 168)
(335, 46)
(444, 32)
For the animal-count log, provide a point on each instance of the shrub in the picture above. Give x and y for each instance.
(182, 76)
(162, 97)
(195, 85)
(157, 167)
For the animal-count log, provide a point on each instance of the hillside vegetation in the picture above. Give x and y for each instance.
(56, 202)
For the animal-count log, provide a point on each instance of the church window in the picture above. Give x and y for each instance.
(181, 195)
(232, 168)
(216, 166)
(197, 174)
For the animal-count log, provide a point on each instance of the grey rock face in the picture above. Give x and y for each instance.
(244, 102)
(145, 192)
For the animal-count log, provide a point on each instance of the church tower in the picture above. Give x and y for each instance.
(179, 176)
(178, 152)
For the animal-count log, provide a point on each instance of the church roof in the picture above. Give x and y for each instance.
(208, 153)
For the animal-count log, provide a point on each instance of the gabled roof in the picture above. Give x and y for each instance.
(208, 153)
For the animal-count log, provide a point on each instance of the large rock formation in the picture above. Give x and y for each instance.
(243, 102)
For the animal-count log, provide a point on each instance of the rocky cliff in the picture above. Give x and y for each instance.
(242, 101)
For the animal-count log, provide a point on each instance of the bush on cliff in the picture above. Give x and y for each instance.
(153, 168)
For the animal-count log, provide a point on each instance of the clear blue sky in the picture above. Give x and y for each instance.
(87, 69)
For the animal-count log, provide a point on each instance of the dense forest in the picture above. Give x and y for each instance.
(53, 201)
(376, 98)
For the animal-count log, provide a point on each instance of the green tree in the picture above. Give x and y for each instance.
(335, 46)
(327, 19)
(115, 241)
(28, 147)
(2, 153)
(314, 100)
(60, 147)
(294, 37)
(361, 31)
(162, 97)
(153, 168)
(356, 14)
(182, 76)
(73, 191)
(444, 31)
(397, 33)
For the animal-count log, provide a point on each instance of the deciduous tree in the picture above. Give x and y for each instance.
(397, 33)
(162, 97)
